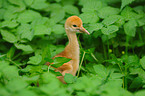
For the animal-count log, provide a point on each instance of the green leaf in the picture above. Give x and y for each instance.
(2, 11)
(100, 71)
(17, 2)
(69, 78)
(59, 61)
(142, 62)
(9, 24)
(140, 92)
(25, 92)
(25, 31)
(112, 19)
(8, 36)
(107, 11)
(11, 52)
(28, 16)
(39, 4)
(16, 85)
(70, 9)
(58, 29)
(126, 2)
(41, 30)
(89, 17)
(28, 2)
(136, 83)
(95, 27)
(10, 72)
(35, 60)
(25, 48)
(129, 14)
(91, 5)
(57, 15)
(9, 15)
(109, 30)
(130, 28)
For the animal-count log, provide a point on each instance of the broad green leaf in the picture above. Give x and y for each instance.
(142, 62)
(57, 15)
(2, 11)
(70, 9)
(10, 72)
(8, 36)
(16, 85)
(3, 65)
(101, 71)
(9, 24)
(35, 60)
(30, 79)
(17, 2)
(25, 31)
(130, 28)
(28, 16)
(67, 2)
(141, 21)
(136, 83)
(91, 5)
(28, 2)
(140, 92)
(91, 17)
(125, 2)
(9, 15)
(58, 29)
(39, 4)
(109, 30)
(59, 61)
(107, 11)
(41, 30)
(112, 19)
(69, 78)
(25, 48)
(25, 92)
(11, 52)
(129, 14)
(95, 27)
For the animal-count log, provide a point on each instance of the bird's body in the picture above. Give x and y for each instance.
(73, 24)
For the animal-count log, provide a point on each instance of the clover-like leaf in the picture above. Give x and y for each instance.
(130, 28)
(8, 36)
(25, 48)
(59, 61)
(110, 29)
(142, 62)
(70, 9)
(35, 60)
(125, 2)
(107, 11)
(41, 30)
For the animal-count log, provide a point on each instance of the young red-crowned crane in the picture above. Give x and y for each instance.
(72, 25)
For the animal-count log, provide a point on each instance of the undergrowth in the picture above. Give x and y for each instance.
(112, 59)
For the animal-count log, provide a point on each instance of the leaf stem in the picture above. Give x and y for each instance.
(94, 57)
(81, 63)
(14, 63)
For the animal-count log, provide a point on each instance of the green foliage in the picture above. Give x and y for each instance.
(112, 57)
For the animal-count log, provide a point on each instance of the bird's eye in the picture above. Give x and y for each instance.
(74, 25)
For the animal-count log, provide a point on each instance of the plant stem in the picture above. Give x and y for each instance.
(94, 57)
(81, 63)
(14, 63)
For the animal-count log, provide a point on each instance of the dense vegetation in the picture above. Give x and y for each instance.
(112, 59)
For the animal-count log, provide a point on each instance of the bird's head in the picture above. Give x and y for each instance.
(74, 24)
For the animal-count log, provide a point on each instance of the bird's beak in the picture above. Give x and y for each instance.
(83, 30)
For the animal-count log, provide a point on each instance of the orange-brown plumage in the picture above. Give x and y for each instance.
(72, 25)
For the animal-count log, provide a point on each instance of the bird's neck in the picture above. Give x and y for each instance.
(73, 45)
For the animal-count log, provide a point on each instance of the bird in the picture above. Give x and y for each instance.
(72, 25)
